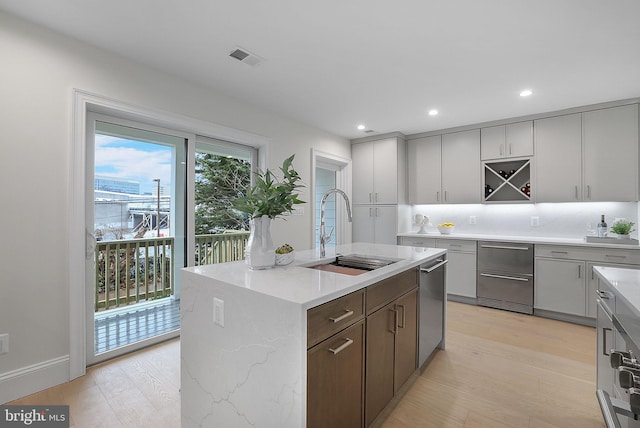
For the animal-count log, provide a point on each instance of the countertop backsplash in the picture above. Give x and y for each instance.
(566, 220)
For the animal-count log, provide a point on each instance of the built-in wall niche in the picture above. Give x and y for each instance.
(507, 181)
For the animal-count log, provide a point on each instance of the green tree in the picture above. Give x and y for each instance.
(219, 181)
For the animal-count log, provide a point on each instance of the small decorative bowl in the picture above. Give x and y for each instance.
(285, 259)
(445, 230)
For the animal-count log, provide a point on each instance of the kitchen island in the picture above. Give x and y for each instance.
(244, 333)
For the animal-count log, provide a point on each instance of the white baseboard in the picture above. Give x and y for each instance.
(31, 379)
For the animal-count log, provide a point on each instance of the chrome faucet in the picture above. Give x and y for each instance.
(323, 237)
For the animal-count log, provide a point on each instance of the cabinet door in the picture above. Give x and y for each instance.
(363, 227)
(519, 139)
(461, 274)
(362, 163)
(380, 355)
(385, 224)
(385, 171)
(461, 168)
(610, 138)
(560, 286)
(559, 159)
(424, 170)
(492, 142)
(407, 338)
(335, 381)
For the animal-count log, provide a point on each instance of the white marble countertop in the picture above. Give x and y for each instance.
(625, 284)
(520, 238)
(309, 287)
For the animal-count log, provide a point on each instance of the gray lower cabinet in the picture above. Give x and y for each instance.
(560, 286)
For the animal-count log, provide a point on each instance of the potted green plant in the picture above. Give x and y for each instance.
(622, 228)
(267, 199)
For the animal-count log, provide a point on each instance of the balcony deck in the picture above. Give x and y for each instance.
(120, 327)
(134, 285)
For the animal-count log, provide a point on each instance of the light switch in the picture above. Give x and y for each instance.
(218, 311)
(472, 219)
(535, 221)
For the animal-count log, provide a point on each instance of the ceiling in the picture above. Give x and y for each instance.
(335, 64)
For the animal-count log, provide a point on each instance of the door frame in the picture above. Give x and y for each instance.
(80, 245)
(343, 182)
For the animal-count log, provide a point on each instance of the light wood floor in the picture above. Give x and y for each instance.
(500, 369)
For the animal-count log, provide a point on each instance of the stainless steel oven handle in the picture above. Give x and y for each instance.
(514, 278)
(432, 268)
(504, 247)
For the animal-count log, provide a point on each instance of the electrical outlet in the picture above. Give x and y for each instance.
(4, 343)
(535, 221)
(472, 219)
(298, 211)
(218, 311)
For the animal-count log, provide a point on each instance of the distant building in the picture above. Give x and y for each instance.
(112, 184)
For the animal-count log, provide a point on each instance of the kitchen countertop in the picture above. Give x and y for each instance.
(624, 283)
(520, 238)
(298, 284)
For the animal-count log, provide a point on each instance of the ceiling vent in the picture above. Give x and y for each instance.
(245, 56)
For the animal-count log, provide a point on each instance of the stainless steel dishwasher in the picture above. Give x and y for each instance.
(505, 276)
(432, 300)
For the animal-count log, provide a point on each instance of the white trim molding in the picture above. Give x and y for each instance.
(36, 377)
(84, 102)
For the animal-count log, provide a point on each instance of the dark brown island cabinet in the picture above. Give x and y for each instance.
(362, 349)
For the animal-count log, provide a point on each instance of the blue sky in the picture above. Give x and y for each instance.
(134, 160)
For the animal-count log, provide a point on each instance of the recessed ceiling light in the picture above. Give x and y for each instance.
(361, 127)
(433, 112)
(526, 93)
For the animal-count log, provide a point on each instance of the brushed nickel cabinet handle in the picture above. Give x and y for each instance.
(588, 191)
(403, 316)
(511, 278)
(613, 256)
(347, 314)
(342, 347)
(438, 196)
(579, 271)
(577, 192)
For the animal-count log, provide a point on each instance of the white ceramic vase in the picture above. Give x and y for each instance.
(260, 252)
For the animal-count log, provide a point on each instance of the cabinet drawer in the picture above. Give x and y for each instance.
(609, 255)
(418, 242)
(457, 245)
(390, 289)
(333, 316)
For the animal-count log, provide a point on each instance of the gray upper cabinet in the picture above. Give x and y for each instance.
(590, 156)
(424, 170)
(375, 172)
(610, 142)
(444, 169)
(558, 159)
(461, 168)
(507, 141)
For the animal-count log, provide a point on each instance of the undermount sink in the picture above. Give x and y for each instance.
(354, 264)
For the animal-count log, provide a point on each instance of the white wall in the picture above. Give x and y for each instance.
(567, 220)
(39, 71)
